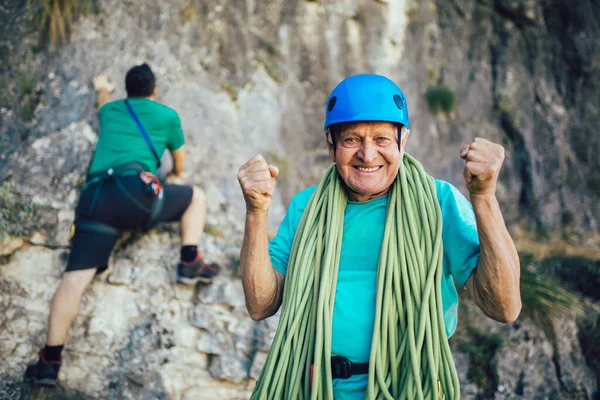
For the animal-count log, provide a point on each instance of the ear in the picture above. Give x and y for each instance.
(329, 141)
(404, 134)
(331, 153)
(154, 93)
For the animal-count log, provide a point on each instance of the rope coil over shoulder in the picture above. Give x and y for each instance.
(410, 355)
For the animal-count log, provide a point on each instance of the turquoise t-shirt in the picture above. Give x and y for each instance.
(364, 223)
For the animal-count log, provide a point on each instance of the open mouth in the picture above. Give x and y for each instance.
(367, 169)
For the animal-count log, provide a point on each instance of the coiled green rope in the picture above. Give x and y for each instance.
(410, 355)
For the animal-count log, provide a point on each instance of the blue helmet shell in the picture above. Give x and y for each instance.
(366, 97)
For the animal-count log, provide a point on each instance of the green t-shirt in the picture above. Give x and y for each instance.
(121, 141)
(354, 306)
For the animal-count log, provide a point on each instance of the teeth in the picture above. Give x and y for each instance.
(367, 169)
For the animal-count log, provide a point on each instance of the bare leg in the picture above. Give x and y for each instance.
(192, 224)
(192, 221)
(65, 304)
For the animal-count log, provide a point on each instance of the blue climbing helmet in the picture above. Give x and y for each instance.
(366, 97)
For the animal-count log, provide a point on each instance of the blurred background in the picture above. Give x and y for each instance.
(248, 77)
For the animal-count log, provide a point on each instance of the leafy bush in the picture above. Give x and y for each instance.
(440, 99)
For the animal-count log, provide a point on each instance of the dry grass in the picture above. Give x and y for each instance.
(188, 14)
(545, 299)
(54, 18)
(214, 230)
(556, 244)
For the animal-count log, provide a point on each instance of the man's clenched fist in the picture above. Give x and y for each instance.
(257, 180)
(483, 161)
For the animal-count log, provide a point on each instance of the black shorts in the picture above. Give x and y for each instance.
(126, 206)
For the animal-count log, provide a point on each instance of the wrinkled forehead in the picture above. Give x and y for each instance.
(363, 128)
(370, 127)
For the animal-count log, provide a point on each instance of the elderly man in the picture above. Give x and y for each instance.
(370, 268)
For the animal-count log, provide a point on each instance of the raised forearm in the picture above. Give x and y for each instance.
(495, 283)
(263, 285)
(102, 96)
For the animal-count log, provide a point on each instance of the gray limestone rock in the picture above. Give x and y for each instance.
(252, 77)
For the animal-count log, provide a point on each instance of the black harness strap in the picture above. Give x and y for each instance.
(157, 206)
(119, 170)
(90, 225)
(342, 368)
(114, 174)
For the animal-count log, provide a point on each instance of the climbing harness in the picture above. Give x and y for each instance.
(112, 174)
(410, 356)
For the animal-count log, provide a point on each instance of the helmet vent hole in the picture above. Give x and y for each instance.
(331, 103)
(398, 101)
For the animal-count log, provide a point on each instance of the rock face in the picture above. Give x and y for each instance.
(252, 77)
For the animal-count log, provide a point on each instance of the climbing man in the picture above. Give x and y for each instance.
(369, 259)
(121, 192)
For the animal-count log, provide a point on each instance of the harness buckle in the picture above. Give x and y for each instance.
(341, 367)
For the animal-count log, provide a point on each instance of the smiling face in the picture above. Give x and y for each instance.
(367, 158)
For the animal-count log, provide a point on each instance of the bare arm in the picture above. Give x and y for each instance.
(178, 161)
(494, 285)
(263, 285)
(102, 96)
(103, 89)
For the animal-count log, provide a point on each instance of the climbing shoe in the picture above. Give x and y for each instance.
(190, 273)
(43, 373)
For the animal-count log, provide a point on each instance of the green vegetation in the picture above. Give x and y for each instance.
(231, 89)
(482, 349)
(214, 230)
(440, 99)
(579, 273)
(551, 284)
(479, 346)
(268, 45)
(234, 262)
(29, 99)
(549, 290)
(432, 73)
(16, 211)
(272, 70)
(544, 298)
(25, 85)
(26, 109)
(54, 18)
